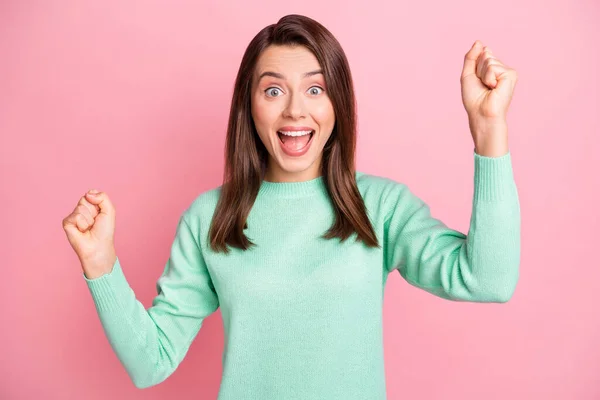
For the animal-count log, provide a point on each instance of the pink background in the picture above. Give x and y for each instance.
(132, 98)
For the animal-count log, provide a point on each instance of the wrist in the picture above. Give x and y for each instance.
(99, 265)
(492, 147)
(490, 138)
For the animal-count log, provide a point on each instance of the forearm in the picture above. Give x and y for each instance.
(481, 266)
(493, 241)
(130, 330)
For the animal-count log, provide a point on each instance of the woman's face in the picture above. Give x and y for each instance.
(292, 112)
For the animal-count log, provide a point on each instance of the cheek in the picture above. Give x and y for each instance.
(324, 115)
(264, 115)
(264, 120)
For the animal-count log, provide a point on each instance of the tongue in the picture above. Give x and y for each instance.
(295, 142)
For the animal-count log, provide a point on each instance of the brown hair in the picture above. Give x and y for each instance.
(244, 170)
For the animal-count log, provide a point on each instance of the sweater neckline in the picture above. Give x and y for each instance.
(310, 187)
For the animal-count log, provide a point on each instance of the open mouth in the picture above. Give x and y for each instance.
(295, 141)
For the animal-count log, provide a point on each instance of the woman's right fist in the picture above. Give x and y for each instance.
(90, 229)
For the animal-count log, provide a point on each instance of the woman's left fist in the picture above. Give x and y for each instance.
(487, 86)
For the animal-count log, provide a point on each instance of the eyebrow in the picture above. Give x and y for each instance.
(280, 76)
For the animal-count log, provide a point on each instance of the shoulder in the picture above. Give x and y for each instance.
(375, 186)
(202, 207)
(382, 194)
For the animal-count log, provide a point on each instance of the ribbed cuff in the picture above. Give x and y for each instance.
(494, 178)
(109, 290)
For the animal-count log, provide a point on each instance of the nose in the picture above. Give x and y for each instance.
(295, 106)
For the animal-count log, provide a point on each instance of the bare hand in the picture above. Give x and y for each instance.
(487, 87)
(90, 229)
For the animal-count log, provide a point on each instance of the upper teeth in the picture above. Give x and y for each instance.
(294, 133)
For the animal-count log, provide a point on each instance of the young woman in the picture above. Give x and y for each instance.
(296, 246)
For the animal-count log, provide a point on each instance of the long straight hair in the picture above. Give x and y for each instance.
(246, 156)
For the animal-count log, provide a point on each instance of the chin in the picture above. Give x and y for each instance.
(297, 168)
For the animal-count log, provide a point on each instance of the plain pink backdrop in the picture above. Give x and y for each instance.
(132, 98)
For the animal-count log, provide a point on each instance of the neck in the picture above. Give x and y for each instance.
(278, 175)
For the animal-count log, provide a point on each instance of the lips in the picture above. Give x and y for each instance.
(295, 128)
(295, 141)
(283, 134)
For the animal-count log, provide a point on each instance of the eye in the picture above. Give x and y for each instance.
(315, 90)
(272, 92)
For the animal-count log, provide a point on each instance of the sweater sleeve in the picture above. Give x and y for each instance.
(151, 343)
(482, 266)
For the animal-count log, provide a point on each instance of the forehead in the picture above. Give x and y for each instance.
(287, 60)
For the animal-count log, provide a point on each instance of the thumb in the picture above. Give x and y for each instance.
(470, 62)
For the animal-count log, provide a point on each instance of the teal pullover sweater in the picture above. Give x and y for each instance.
(302, 315)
